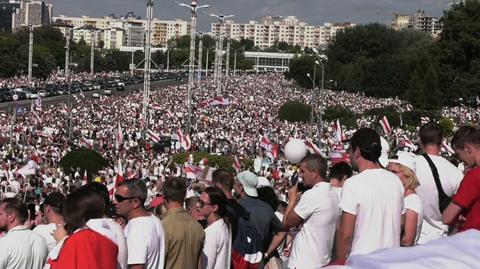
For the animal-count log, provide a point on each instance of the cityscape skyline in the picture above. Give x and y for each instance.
(317, 13)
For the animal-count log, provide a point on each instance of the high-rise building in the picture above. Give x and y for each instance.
(125, 31)
(31, 12)
(282, 29)
(7, 9)
(418, 22)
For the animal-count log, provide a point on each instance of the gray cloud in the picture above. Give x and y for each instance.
(315, 12)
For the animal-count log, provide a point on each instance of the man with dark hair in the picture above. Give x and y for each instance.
(449, 176)
(52, 211)
(339, 172)
(372, 201)
(183, 235)
(466, 143)
(20, 247)
(144, 231)
(318, 210)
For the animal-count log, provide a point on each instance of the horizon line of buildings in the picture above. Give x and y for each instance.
(129, 31)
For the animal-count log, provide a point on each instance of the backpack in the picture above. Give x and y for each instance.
(246, 248)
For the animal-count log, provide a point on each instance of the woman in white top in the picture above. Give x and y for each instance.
(404, 167)
(217, 248)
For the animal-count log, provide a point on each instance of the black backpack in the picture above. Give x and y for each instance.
(443, 199)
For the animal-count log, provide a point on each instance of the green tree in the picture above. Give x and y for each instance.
(83, 158)
(459, 52)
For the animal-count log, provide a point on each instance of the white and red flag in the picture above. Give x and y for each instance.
(338, 131)
(85, 142)
(119, 136)
(266, 143)
(385, 125)
(152, 136)
(187, 143)
(193, 171)
(85, 178)
(29, 169)
(236, 165)
(408, 143)
(156, 107)
(312, 148)
(448, 148)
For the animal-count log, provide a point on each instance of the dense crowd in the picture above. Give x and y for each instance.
(55, 78)
(146, 212)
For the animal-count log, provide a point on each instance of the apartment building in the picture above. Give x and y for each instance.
(129, 31)
(419, 21)
(281, 29)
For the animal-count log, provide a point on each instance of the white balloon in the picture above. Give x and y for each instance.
(295, 150)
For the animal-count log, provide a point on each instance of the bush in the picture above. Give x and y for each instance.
(391, 112)
(413, 118)
(83, 158)
(295, 111)
(344, 115)
(447, 126)
(213, 160)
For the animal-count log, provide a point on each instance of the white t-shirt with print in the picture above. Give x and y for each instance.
(146, 242)
(312, 246)
(375, 196)
(450, 178)
(413, 202)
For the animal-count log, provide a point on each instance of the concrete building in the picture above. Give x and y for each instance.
(269, 61)
(129, 31)
(31, 12)
(7, 10)
(419, 21)
(281, 29)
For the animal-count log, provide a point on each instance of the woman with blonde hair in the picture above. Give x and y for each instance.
(404, 167)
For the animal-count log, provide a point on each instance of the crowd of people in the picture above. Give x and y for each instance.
(144, 211)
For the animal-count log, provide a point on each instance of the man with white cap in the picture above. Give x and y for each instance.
(404, 167)
(261, 214)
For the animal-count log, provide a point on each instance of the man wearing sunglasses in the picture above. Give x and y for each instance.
(144, 231)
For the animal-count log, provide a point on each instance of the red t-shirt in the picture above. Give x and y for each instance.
(468, 197)
(87, 249)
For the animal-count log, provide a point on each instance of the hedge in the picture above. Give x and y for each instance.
(344, 115)
(295, 111)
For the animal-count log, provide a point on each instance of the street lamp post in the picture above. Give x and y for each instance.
(235, 60)
(30, 53)
(147, 64)
(191, 65)
(221, 19)
(227, 63)
(200, 47)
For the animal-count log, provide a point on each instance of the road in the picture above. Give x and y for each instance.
(5, 106)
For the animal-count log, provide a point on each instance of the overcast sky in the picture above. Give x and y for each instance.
(314, 12)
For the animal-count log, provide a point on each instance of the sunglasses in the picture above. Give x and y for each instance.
(202, 203)
(120, 198)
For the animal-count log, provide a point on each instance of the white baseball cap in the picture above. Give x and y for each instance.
(406, 159)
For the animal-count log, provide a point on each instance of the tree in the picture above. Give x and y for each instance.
(459, 52)
(83, 158)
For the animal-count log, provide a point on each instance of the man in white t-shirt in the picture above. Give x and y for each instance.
(144, 231)
(52, 209)
(318, 210)
(450, 178)
(20, 247)
(372, 201)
